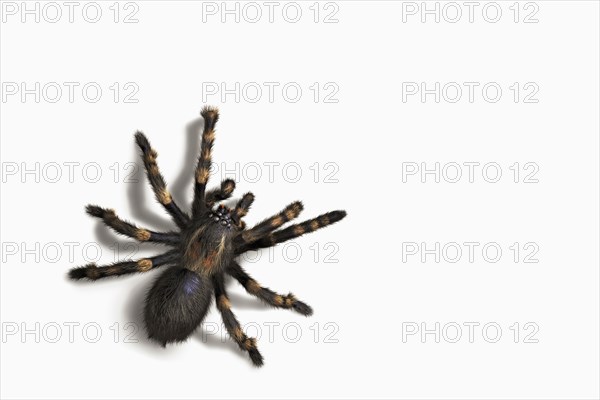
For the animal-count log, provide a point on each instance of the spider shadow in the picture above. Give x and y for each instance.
(135, 302)
(182, 185)
(134, 310)
(107, 238)
(215, 341)
(242, 302)
(140, 190)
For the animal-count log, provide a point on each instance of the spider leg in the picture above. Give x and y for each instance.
(211, 116)
(158, 182)
(231, 323)
(93, 272)
(293, 231)
(110, 219)
(270, 224)
(288, 301)
(242, 207)
(223, 193)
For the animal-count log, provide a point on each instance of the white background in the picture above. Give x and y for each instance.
(371, 296)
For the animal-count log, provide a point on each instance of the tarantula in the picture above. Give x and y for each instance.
(204, 250)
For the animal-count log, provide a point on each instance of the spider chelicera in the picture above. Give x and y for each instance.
(204, 249)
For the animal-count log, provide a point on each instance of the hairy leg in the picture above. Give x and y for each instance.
(292, 231)
(211, 116)
(270, 224)
(219, 194)
(288, 301)
(157, 181)
(231, 323)
(241, 208)
(93, 272)
(110, 219)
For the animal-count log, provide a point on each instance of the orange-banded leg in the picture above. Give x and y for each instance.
(157, 181)
(110, 219)
(93, 272)
(293, 231)
(223, 193)
(241, 209)
(211, 116)
(231, 323)
(270, 224)
(288, 301)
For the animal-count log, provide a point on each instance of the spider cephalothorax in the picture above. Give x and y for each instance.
(204, 251)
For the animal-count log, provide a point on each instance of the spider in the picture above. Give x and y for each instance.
(204, 250)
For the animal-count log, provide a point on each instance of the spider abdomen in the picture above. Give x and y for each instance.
(176, 304)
